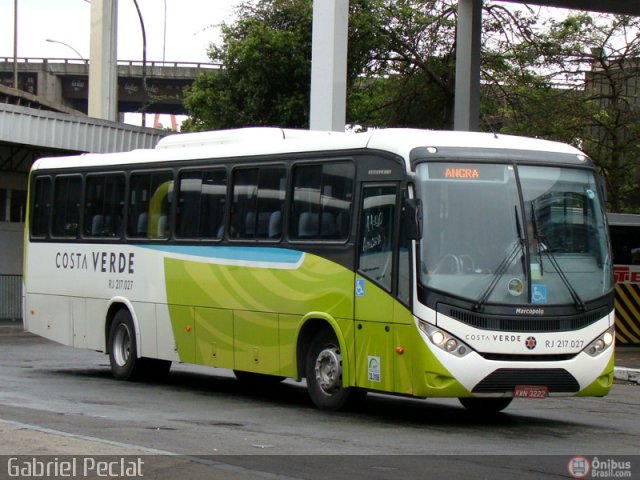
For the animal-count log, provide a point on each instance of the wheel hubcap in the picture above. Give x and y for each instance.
(122, 345)
(329, 370)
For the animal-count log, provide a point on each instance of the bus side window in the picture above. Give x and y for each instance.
(376, 234)
(258, 196)
(41, 209)
(243, 210)
(306, 201)
(322, 199)
(272, 187)
(66, 206)
(150, 197)
(201, 204)
(213, 204)
(188, 206)
(103, 206)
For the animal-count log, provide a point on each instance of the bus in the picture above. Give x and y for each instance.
(410, 262)
(624, 230)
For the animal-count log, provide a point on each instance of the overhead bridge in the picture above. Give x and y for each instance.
(65, 82)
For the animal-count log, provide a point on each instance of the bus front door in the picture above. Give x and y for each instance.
(374, 302)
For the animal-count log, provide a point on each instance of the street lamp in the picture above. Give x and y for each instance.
(15, 44)
(144, 64)
(66, 45)
(164, 37)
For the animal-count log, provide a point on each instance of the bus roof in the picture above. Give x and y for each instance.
(264, 140)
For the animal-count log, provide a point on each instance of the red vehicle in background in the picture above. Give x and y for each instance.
(624, 230)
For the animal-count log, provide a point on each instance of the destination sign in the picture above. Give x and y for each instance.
(466, 172)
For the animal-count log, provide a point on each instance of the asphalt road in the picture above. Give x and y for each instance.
(55, 400)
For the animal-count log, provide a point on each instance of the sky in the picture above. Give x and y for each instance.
(191, 25)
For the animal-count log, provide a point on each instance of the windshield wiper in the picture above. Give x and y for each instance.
(504, 264)
(543, 247)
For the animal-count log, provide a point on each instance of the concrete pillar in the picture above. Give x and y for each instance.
(49, 86)
(329, 65)
(103, 68)
(468, 38)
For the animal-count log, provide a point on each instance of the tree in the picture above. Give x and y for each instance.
(398, 71)
(265, 57)
(266, 60)
(576, 81)
(401, 66)
(612, 90)
(410, 77)
(562, 79)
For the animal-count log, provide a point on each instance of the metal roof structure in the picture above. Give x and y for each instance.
(31, 132)
(71, 133)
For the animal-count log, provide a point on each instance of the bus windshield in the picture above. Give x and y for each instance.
(505, 234)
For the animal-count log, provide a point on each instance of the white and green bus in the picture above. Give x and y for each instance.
(410, 262)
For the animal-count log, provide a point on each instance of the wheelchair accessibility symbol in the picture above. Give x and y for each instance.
(359, 287)
(538, 293)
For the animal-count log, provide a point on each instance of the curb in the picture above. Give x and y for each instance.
(627, 374)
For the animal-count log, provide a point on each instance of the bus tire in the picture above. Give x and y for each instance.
(123, 353)
(485, 405)
(323, 370)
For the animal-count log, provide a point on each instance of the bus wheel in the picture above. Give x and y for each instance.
(485, 405)
(123, 354)
(324, 373)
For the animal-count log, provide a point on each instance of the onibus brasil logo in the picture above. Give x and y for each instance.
(581, 467)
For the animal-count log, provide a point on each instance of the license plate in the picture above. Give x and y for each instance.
(530, 391)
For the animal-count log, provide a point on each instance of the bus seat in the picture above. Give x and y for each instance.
(161, 231)
(263, 224)
(250, 224)
(308, 225)
(342, 223)
(97, 225)
(143, 220)
(118, 226)
(260, 230)
(275, 224)
(328, 227)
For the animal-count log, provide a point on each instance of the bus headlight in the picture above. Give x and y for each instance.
(444, 340)
(602, 343)
(438, 337)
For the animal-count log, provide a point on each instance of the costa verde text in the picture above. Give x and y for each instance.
(105, 262)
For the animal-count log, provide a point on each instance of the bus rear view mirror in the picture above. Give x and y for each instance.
(602, 185)
(412, 218)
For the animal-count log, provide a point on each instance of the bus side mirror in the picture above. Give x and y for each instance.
(412, 218)
(602, 186)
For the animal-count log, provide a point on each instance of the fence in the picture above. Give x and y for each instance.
(10, 297)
